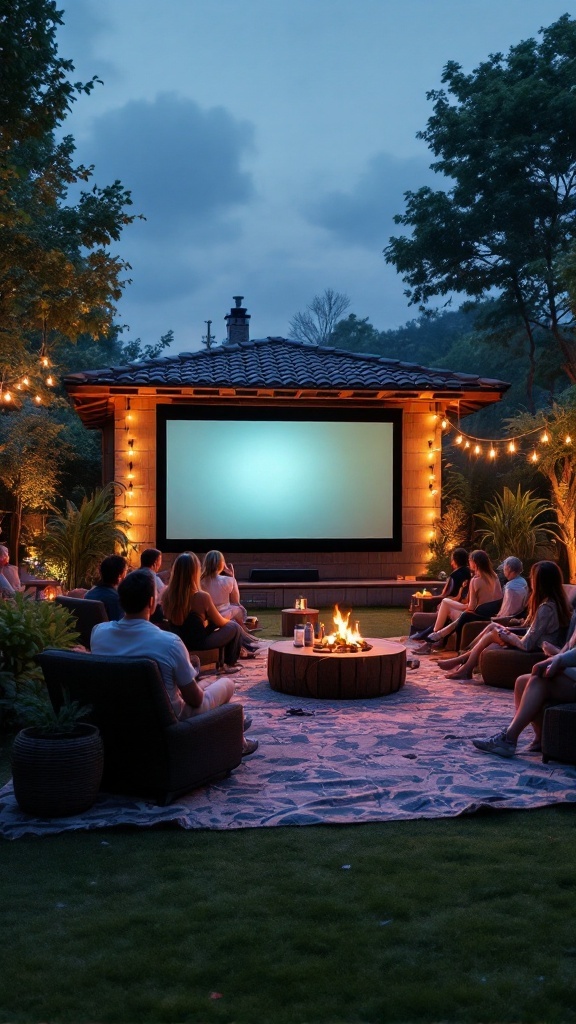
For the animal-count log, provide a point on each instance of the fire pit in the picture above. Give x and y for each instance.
(341, 666)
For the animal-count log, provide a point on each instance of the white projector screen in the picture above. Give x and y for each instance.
(272, 484)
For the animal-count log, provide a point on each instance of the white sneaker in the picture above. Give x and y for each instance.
(498, 744)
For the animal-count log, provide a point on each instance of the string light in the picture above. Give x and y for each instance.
(444, 424)
(459, 439)
(534, 456)
(511, 447)
(545, 437)
(567, 439)
(492, 453)
(477, 450)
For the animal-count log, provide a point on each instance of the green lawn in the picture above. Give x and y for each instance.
(468, 919)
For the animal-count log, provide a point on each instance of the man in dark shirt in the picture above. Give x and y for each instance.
(455, 586)
(112, 570)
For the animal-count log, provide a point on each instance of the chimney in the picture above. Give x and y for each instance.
(237, 326)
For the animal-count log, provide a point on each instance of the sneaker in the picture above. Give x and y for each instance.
(249, 747)
(434, 638)
(247, 722)
(497, 744)
(422, 634)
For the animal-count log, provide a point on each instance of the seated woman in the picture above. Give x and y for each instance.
(218, 580)
(193, 616)
(484, 589)
(548, 618)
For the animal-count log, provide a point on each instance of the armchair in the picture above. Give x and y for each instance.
(147, 751)
(87, 614)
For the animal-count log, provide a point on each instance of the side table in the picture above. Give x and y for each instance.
(296, 617)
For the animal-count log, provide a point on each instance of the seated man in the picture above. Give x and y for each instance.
(514, 601)
(455, 585)
(112, 570)
(135, 636)
(151, 559)
(9, 576)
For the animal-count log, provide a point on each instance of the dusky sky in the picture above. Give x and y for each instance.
(268, 143)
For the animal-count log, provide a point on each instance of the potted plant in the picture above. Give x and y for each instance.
(57, 758)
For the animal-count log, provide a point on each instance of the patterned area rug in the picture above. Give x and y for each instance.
(404, 756)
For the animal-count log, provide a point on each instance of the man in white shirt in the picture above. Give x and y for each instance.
(515, 596)
(135, 636)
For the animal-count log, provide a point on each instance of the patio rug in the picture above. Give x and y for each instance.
(404, 756)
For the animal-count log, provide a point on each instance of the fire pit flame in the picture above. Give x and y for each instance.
(343, 639)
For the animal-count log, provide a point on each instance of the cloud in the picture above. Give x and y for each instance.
(365, 215)
(182, 164)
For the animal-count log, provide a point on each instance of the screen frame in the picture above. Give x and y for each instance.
(167, 413)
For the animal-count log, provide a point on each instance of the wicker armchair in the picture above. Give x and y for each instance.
(147, 751)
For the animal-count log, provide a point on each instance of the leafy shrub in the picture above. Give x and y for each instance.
(77, 540)
(26, 628)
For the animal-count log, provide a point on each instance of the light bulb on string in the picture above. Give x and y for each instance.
(459, 439)
(477, 450)
(50, 381)
(545, 437)
(511, 447)
(467, 444)
(534, 456)
(444, 424)
(492, 452)
(567, 439)
(37, 399)
(7, 396)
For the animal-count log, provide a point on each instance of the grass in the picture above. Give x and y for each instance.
(467, 919)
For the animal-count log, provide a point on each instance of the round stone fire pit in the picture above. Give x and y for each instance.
(304, 672)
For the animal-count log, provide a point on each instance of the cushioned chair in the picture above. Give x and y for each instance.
(501, 666)
(147, 751)
(559, 734)
(87, 614)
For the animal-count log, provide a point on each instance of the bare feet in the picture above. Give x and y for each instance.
(460, 674)
(449, 663)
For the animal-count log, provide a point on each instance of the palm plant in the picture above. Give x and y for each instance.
(514, 524)
(81, 537)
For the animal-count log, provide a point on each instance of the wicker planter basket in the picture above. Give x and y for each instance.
(57, 776)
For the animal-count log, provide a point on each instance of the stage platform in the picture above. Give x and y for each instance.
(354, 593)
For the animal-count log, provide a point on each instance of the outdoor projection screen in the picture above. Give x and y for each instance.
(278, 479)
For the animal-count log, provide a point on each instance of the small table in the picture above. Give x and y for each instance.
(39, 585)
(296, 617)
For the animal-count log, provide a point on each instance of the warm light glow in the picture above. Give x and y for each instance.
(467, 445)
(534, 457)
(37, 399)
(444, 424)
(459, 439)
(567, 439)
(50, 381)
(343, 634)
(492, 453)
(511, 447)
(45, 361)
(477, 450)
(25, 381)
(7, 396)
(545, 438)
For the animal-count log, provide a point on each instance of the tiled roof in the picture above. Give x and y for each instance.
(283, 363)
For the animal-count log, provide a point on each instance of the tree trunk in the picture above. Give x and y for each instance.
(15, 531)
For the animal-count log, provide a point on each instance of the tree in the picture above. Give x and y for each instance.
(316, 324)
(31, 451)
(58, 278)
(504, 137)
(355, 335)
(557, 463)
